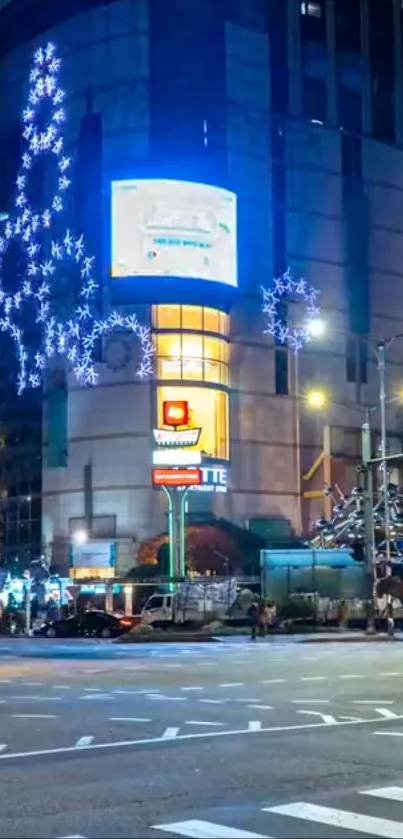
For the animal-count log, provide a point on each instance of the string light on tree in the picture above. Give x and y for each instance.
(47, 251)
(283, 290)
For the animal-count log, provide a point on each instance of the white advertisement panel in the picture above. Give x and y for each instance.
(164, 228)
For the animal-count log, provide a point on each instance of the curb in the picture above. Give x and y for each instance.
(363, 639)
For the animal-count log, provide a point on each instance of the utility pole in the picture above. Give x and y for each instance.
(369, 531)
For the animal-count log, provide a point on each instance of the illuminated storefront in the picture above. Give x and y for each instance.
(193, 356)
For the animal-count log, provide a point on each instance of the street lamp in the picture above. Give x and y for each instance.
(316, 399)
(80, 537)
(316, 327)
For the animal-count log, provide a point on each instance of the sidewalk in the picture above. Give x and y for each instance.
(336, 637)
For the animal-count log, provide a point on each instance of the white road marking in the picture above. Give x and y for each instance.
(351, 719)
(74, 836)
(389, 733)
(326, 718)
(199, 829)
(389, 793)
(231, 685)
(130, 719)
(92, 690)
(390, 674)
(202, 722)
(372, 702)
(163, 698)
(6, 681)
(192, 688)
(3, 746)
(386, 713)
(93, 670)
(172, 666)
(262, 707)
(212, 701)
(170, 733)
(84, 741)
(35, 716)
(254, 725)
(313, 678)
(310, 701)
(272, 681)
(61, 687)
(341, 819)
(145, 741)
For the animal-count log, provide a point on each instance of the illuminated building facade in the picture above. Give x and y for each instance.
(295, 109)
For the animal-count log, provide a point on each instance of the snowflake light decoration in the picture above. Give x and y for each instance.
(45, 256)
(286, 288)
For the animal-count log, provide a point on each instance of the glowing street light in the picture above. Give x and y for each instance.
(316, 328)
(80, 537)
(316, 399)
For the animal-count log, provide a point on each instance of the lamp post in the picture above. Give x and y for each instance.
(316, 328)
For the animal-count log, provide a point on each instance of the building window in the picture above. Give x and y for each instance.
(382, 68)
(197, 318)
(348, 25)
(314, 98)
(311, 9)
(356, 360)
(281, 371)
(208, 410)
(351, 158)
(279, 81)
(194, 357)
(313, 21)
(349, 109)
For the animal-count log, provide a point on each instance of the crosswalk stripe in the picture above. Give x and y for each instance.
(389, 793)
(198, 829)
(342, 819)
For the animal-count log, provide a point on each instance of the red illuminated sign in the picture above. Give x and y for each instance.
(176, 477)
(175, 413)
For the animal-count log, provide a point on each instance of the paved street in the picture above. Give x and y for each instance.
(220, 740)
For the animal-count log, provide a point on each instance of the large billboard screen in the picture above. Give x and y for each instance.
(164, 228)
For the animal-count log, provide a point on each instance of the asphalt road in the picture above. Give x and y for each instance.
(236, 740)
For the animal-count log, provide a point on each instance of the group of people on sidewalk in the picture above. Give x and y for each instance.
(263, 617)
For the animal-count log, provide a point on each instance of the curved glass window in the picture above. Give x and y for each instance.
(208, 410)
(198, 318)
(193, 357)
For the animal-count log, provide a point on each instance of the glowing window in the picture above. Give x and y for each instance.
(193, 357)
(211, 320)
(192, 318)
(208, 410)
(166, 317)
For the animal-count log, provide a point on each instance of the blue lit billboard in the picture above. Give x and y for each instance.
(169, 228)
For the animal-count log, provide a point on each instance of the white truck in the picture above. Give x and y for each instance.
(190, 603)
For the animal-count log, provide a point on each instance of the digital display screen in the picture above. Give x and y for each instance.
(164, 228)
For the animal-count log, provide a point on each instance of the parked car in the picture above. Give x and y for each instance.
(93, 623)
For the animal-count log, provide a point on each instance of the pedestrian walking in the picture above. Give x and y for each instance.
(255, 619)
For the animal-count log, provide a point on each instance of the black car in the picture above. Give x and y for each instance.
(93, 623)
